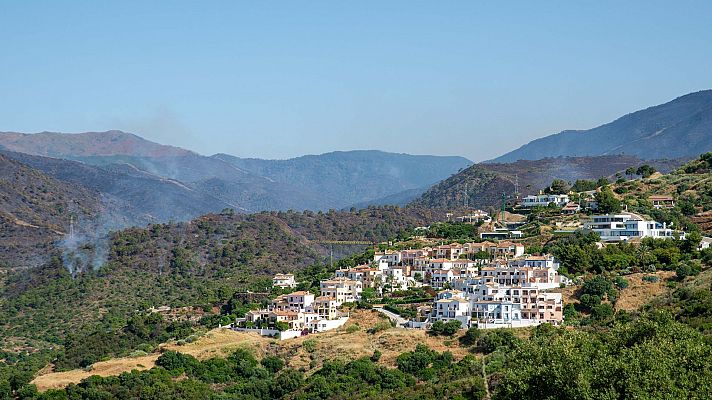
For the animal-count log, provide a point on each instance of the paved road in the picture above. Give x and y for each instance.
(400, 321)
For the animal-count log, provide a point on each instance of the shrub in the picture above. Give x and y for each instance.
(353, 328)
(138, 353)
(496, 339)
(449, 328)
(272, 364)
(602, 312)
(598, 285)
(621, 282)
(589, 301)
(177, 363)
(686, 269)
(651, 278)
(380, 326)
(309, 345)
(471, 336)
(376, 356)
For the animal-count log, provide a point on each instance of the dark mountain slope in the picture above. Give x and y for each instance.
(143, 197)
(484, 183)
(35, 211)
(332, 180)
(681, 128)
(345, 178)
(397, 199)
(86, 144)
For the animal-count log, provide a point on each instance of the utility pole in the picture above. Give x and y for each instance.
(504, 200)
(467, 200)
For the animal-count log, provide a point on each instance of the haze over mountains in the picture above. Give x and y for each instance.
(126, 165)
(147, 182)
(681, 128)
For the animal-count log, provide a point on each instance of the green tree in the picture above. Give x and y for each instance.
(607, 201)
(558, 186)
(471, 336)
(645, 171)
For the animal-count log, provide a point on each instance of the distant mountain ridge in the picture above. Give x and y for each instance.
(317, 182)
(681, 128)
(354, 177)
(109, 143)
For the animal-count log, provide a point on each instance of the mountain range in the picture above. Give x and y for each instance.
(681, 128)
(124, 164)
(133, 181)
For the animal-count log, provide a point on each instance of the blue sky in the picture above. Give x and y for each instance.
(281, 79)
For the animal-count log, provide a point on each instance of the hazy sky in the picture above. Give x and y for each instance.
(280, 79)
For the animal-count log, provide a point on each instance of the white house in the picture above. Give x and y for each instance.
(454, 308)
(284, 281)
(390, 257)
(705, 243)
(623, 227)
(475, 217)
(544, 200)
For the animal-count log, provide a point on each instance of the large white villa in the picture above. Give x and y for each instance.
(623, 227)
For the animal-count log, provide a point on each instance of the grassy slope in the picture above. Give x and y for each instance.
(338, 344)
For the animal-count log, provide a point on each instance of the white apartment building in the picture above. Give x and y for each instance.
(326, 307)
(438, 278)
(296, 301)
(499, 304)
(396, 278)
(390, 257)
(448, 251)
(623, 227)
(369, 277)
(343, 290)
(475, 217)
(454, 308)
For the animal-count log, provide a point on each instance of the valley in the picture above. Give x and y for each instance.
(213, 263)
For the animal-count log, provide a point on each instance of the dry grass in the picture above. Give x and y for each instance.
(216, 343)
(639, 292)
(333, 345)
(55, 380)
(340, 345)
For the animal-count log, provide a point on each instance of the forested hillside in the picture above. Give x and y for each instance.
(200, 262)
(35, 210)
(482, 185)
(347, 178)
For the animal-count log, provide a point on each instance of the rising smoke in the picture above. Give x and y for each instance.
(85, 245)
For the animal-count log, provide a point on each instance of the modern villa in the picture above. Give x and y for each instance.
(623, 227)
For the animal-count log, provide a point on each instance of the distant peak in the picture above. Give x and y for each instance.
(88, 144)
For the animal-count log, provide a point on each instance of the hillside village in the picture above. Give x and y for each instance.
(494, 282)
